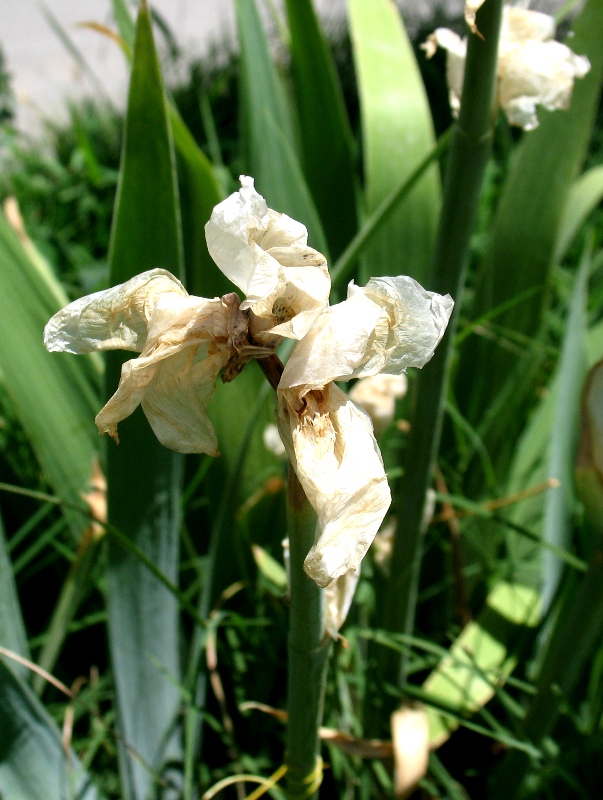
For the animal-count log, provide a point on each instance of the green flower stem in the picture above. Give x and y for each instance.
(308, 651)
(468, 155)
(308, 644)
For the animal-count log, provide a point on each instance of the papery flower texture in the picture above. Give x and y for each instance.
(185, 342)
(533, 69)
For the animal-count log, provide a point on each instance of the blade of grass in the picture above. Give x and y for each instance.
(144, 479)
(397, 134)
(326, 137)
(468, 155)
(199, 187)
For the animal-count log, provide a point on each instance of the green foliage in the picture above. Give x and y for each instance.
(500, 639)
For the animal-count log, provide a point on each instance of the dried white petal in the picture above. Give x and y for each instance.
(175, 375)
(114, 319)
(335, 346)
(183, 341)
(266, 255)
(391, 324)
(521, 25)
(332, 448)
(537, 73)
(339, 596)
(377, 395)
(417, 320)
(533, 70)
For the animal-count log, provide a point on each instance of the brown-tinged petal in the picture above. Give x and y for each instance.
(114, 319)
(332, 448)
(174, 377)
(391, 324)
(265, 254)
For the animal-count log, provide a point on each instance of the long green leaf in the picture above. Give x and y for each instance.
(559, 504)
(271, 158)
(52, 394)
(33, 764)
(583, 197)
(397, 133)
(326, 138)
(521, 252)
(143, 477)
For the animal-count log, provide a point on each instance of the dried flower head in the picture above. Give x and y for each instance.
(533, 69)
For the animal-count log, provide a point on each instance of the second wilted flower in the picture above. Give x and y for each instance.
(533, 69)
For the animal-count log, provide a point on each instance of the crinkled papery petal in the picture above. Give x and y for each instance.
(335, 346)
(174, 377)
(339, 596)
(331, 445)
(521, 25)
(537, 73)
(391, 324)
(114, 319)
(417, 320)
(265, 254)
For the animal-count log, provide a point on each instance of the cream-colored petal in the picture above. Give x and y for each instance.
(114, 319)
(537, 73)
(339, 597)
(335, 346)
(174, 377)
(532, 69)
(297, 299)
(377, 394)
(391, 324)
(265, 254)
(417, 320)
(331, 445)
(456, 52)
(174, 390)
(239, 232)
(176, 400)
(520, 25)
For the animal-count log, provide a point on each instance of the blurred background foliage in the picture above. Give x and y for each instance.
(506, 651)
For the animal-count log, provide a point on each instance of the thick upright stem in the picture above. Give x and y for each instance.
(308, 652)
(469, 152)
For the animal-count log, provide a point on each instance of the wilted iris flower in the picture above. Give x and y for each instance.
(185, 342)
(533, 69)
